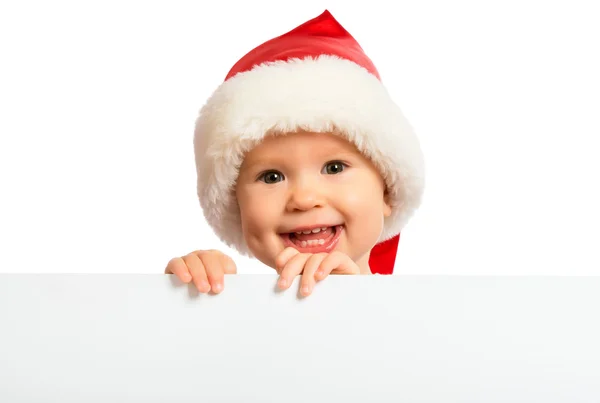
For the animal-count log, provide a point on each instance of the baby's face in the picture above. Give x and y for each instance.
(292, 184)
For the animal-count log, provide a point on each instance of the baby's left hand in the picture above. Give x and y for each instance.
(313, 267)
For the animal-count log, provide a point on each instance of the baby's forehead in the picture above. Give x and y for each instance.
(317, 142)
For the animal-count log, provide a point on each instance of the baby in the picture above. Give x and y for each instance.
(304, 162)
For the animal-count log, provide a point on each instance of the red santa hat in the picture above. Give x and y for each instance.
(315, 78)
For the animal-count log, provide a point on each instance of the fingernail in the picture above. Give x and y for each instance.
(319, 273)
(282, 282)
(305, 290)
(218, 287)
(204, 286)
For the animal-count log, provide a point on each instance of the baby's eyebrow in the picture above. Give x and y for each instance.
(263, 163)
(342, 154)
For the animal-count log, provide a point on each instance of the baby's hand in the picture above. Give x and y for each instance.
(314, 267)
(206, 268)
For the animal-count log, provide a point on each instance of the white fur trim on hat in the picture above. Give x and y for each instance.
(323, 94)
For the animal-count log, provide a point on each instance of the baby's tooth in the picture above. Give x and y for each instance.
(316, 230)
(306, 232)
(303, 244)
(321, 241)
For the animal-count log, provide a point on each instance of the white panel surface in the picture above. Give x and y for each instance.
(147, 338)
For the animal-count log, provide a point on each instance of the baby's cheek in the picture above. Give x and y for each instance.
(362, 201)
(256, 239)
(355, 198)
(260, 219)
(367, 211)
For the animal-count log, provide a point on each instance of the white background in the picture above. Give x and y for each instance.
(98, 102)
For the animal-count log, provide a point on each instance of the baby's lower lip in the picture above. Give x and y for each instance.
(327, 247)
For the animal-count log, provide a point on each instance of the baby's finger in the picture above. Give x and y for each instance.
(215, 270)
(307, 282)
(178, 267)
(336, 262)
(198, 272)
(293, 268)
(284, 257)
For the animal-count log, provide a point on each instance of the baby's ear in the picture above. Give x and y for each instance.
(387, 205)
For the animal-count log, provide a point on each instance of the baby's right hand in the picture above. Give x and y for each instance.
(206, 268)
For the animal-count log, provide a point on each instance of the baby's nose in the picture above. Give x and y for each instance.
(306, 197)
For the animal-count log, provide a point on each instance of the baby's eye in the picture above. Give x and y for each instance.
(271, 177)
(334, 167)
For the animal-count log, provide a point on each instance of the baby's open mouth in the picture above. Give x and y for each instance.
(314, 240)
